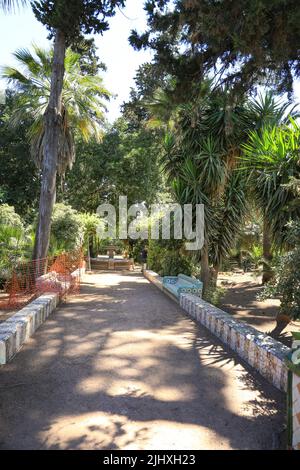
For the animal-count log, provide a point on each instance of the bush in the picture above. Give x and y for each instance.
(286, 282)
(67, 230)
(168, 258)
(9, 217)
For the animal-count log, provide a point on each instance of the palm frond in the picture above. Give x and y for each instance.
(83, 105)
(12, 5)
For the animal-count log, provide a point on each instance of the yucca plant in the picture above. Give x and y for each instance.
(201, 157)
(271, 157)
(264, 115)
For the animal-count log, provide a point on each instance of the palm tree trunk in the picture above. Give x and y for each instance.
(267, 252)
(205, 272)
(52, 135)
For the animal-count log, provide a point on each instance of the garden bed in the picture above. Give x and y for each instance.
(240, 300)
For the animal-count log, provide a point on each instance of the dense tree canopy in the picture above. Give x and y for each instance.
(242, 42)
(75, 18)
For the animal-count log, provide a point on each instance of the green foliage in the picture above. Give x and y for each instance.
(165, 259)
(201, 159)
(15, 242)
(17, 188)
(271, 157)
(82, 101)
(9, 217)
(256, 254)
(214, 295)
(241, 42)
(67, 229)
(286, 283)
(135, 249)
(126, 162)
(77, 17)
(90, 223)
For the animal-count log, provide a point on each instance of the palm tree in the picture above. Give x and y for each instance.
(81, 112)
(266, 112)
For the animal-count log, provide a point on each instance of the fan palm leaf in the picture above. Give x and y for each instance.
(82, 101)
(12, 5)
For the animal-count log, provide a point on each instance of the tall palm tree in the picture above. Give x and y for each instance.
(81, 112)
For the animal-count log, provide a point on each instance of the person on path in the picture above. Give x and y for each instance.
(144, 257)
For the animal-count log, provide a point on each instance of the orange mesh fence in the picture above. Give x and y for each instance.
(60, 274)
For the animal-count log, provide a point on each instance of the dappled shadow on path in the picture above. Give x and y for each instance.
(122, 367)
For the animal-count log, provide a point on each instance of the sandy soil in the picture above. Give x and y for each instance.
(122, 367)
(241, 301)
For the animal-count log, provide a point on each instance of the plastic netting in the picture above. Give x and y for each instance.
(60, 274)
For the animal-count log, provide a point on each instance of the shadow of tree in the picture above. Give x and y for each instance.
(121, 366)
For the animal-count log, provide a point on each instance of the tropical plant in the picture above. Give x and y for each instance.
(81, 112)
(264, 114)
(286, 282)
(271, 159)
(201, 159)
(67, 23)
(90, 223)
(82, 101)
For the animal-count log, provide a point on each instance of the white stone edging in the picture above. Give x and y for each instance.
(17, 330)
(259, 350)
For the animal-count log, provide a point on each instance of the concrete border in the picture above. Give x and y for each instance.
(17, 330)
(259, 350)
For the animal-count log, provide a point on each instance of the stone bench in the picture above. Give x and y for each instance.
(182, 284)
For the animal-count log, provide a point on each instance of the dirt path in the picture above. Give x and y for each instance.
(122, 367)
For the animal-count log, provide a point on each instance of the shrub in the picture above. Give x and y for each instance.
(167, 258)
(67, 229)
(9, 217)
(286, 282)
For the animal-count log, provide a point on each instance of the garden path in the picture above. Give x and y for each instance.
(122, 367)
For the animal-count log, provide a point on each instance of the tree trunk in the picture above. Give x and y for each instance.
(205, 272)
(51, 147)
(267, 252)
(214, 274)
(282, 321)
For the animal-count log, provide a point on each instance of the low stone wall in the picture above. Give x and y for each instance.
(262, 352)
(15, 331)
(21, 326)
(154, 278)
